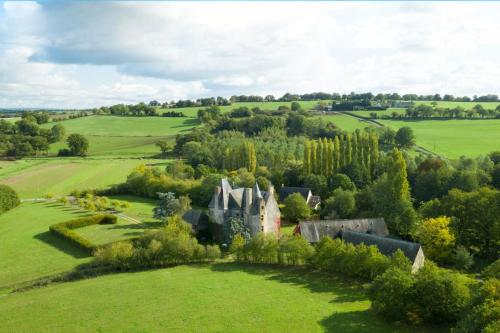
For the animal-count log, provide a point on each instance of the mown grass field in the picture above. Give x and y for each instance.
(28, 250)
(454, 138)
(346, 122)
(33, 178)
(380, 113)
(202, 298)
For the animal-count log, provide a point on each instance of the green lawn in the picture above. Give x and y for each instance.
(37, 177)
(28, 250)
(204, 298)
(453, 138)
(346, 123)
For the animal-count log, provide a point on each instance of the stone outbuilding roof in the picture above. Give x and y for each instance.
(197, 218)
(314, 230)
(388, 246)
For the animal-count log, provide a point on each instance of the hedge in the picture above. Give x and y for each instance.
(8, 198)
(65, 229)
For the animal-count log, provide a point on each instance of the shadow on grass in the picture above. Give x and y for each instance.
(345, 290)
(143, 225)
(61, 245)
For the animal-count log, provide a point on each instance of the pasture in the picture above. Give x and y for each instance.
(221, 297)
(454, 138)
(33, 178)
(127, 126)
(465, 105)
(193, 111)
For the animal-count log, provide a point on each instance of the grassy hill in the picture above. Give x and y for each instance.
(204, 298)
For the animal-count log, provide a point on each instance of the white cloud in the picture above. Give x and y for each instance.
(89, 53)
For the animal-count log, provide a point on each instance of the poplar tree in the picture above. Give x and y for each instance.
(336, 154)
(313, 156)
(324, 164)
(348, 148)
(319, 157)
(329, 159)
(307, 157)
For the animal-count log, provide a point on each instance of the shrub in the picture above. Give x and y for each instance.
(173, 244)
(64, 229)
(294, 250)
(492, 271)
(483, 313)
(8, 198)
(462, 258)
(389, 293)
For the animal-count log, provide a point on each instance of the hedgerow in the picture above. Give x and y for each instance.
(65, 229)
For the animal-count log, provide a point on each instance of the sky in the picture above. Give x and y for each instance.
(88, 54)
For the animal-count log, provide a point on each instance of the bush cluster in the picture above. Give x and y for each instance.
(8, 198)
(359, 261)
(432, 296)
(267, 249)
(65, 229)
(170, 245)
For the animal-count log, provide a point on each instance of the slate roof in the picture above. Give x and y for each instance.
(314, 230)
(386, 245)
(239, 198)
(285, 191)
(196, 218)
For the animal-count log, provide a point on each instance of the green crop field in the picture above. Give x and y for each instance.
(28, 250)
(202, 298)
(37, 177)
(345, 122)
(454, 138)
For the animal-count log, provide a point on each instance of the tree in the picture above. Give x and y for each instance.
(405, 137)
(57, 133)
(343, 181)
(295, 106)
(437, 238)
(8, 198)
(341, 204)
(296, 208)
(78, 144)
(169, 205)
(164, 146)
(234, 226)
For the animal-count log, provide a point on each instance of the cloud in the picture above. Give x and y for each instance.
(127, 51)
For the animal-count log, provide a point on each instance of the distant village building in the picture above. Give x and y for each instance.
(313, 201)
(357, 231)
(259, 209)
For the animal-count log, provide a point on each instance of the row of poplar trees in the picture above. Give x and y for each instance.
(241, 156)
(327, 157)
